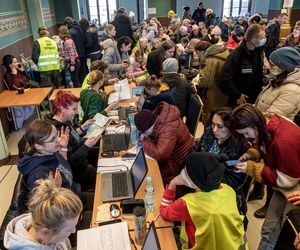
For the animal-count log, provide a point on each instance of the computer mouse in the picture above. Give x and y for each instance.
(115, 210)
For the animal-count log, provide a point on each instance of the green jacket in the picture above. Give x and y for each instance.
(91, 104)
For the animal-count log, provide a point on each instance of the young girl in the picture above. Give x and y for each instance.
(138, 62)
(53, 215)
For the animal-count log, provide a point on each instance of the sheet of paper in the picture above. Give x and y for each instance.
(114, 164)
(98, 127)
(123, 88)
(113, 97)
(103, 213)
(115, 129)
(133, 151)
(113, 237)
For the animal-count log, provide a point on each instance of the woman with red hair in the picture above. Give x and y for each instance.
(82, 153)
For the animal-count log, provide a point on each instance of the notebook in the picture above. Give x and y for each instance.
(116, 142)
(124, 184)
(151, 242)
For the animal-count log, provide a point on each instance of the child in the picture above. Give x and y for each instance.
(210, 218)
(138, 62)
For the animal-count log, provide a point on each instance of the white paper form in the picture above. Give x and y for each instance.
(123, 88)
(114, 164)
(110, 237)
(98, 127)
(113, 97)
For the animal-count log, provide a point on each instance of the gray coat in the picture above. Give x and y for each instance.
(114, 59)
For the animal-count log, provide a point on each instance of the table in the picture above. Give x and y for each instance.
(74, 91)
(31, 97)
(165, 237)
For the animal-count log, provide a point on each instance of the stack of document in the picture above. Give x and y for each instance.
(113, 237)
(122, 92)
(114, 164)
(98, 127)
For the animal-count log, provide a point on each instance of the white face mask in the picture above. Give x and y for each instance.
(187, 179)
(296, 33)
(261, 43)
(274, 72)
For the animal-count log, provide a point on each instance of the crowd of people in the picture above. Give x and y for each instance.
(249, 82)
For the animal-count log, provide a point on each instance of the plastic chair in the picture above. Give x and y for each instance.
(193, 114)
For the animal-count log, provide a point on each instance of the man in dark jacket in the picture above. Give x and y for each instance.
(273, 33)
(79, 40)
(199, 13)
(179, 88)
(122, 24)
(241, 76)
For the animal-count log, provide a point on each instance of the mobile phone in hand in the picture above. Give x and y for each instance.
(232, 163)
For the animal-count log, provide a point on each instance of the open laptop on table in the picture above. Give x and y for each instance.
(123, 113)
(116, 142)
(124, 184)
(151, 242)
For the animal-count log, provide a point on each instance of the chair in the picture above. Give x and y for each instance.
(6, 85)
(194, 111)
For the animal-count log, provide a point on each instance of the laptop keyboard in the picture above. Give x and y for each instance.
(119, 184)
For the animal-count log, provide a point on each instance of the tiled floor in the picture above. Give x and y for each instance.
(7, 185)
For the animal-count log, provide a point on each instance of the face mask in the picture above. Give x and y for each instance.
(261, 43)
(187, 179)
(274, 72)
(296, 33)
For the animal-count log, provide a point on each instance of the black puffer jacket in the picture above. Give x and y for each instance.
(123, 26)
(78, 38)
(180, 90)
(242, 73)
(91, 37)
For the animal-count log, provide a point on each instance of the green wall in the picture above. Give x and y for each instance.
(162, 6)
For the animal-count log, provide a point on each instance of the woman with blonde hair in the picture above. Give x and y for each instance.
(90, 99)
(53, 215)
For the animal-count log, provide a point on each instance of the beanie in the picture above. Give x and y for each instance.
(216, 31)
(170, 65)
(286, 58)
(206, 170)
(238, 30)
(144, 120)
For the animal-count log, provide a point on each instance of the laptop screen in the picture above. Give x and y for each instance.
(138, 170)
(151, 242)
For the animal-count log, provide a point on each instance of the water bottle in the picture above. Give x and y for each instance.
(139, 144)
(149, 194)
(139, 224)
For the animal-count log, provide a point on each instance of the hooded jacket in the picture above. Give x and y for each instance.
(34, 167)
(123, 26)
(210, 76)
(91, 37)
(180, 90)
(78, 38)
(283, 100)
(242, 73)
(170, 141)
(16, 236)
(113, 59)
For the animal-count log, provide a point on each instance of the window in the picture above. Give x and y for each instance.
(102, 11)
(235, 8)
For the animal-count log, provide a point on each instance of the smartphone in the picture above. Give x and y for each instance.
(232, 163)
(128, 155)
(125, 61)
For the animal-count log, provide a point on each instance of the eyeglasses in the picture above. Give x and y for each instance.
(55, 139)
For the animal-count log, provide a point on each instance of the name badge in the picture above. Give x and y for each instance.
(247, 71)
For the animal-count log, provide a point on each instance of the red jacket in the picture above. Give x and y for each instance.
(231, 44)
(170, 141)
(282, 158)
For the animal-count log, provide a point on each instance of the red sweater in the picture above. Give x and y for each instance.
(282, 158)
(17, 80)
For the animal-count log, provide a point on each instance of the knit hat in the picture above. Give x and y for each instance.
(144, 119)
(238, 30)
(183, 29)
(286, 58)
(216, 31)
(170, 65)
(206, 169)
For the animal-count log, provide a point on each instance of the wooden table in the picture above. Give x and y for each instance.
(31, 97)
(74, 91)
(165, 237)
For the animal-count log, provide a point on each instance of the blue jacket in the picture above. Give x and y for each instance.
(152, 101)
(35, 167)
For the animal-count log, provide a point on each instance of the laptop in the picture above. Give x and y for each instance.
(116, 142)
(124, 184)
(123, 113)
(151, 242)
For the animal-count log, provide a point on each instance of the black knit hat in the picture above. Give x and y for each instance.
(206, 169)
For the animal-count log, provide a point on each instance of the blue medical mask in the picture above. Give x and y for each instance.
(274, 72)
(261, 43)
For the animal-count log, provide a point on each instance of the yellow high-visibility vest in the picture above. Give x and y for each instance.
(49, 58)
